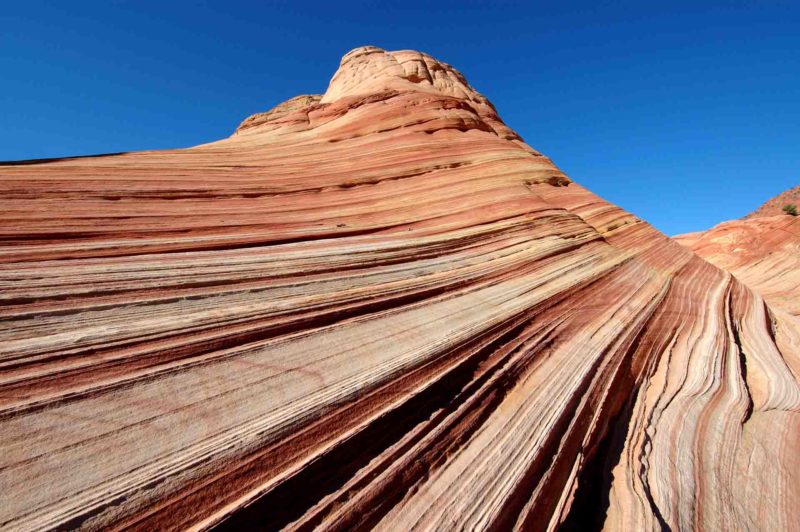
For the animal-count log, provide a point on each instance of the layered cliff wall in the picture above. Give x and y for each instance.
(377, 308)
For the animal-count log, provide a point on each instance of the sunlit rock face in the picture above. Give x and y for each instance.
(376, 308)
(762, 250)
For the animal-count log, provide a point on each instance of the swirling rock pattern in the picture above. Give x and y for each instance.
(762, 250)
(375, 308)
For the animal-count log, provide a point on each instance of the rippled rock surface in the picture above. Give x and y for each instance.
(762, 250)
(375, 307)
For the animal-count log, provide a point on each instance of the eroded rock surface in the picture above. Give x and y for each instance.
(376, 308)
(762, 250)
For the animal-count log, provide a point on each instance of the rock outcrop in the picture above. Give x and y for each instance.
(376, 308)
(774, 206)
(762, 250)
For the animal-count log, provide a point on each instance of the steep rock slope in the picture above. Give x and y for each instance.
(375, 308)
(762, 250)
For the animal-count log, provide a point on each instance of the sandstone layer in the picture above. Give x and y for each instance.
(762, 250)
(376, 308)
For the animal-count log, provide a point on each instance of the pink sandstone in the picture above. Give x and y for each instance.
(376, 308)
(762, 250)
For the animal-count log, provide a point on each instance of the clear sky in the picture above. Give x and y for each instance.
(686, 114)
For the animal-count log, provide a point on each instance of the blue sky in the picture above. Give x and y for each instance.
(686, 114)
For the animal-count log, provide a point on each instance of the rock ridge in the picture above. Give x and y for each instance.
(774, 206)
(762, 249)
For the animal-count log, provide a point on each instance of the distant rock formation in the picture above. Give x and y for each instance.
(376, 308)
(774, 206)
(762, 250)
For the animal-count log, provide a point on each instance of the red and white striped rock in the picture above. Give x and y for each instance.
(375, 308)
(763, 251)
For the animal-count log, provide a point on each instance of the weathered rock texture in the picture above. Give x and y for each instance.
(762, 250)
(376, 308)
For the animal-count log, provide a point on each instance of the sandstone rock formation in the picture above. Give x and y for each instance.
(774, 206)
(376, 308)
(762, 250)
